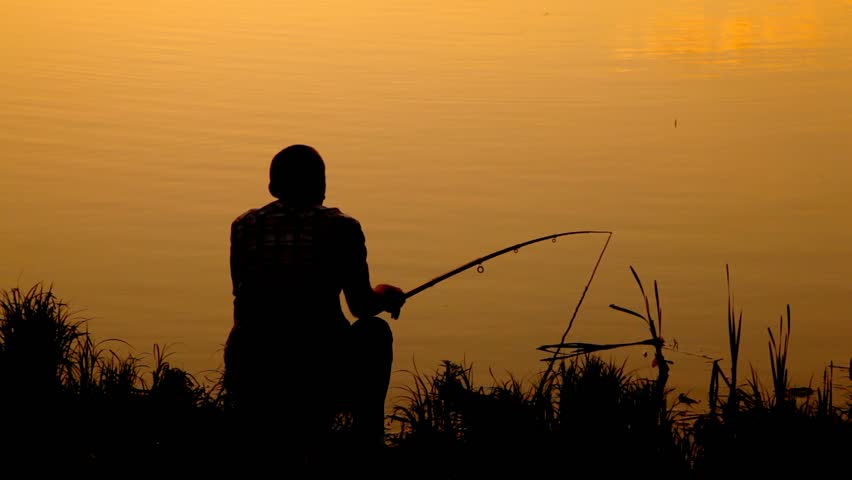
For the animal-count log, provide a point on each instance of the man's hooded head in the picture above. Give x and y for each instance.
(297, 175)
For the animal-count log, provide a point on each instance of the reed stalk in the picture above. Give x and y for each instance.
(778, 360)
(735, 330)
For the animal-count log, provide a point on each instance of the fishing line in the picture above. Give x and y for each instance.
(514, 248)
(558, 350)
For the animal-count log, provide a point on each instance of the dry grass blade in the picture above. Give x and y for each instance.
(628, 311)
(650, 318)
(580, 348)
(638, 281)
(659, 309)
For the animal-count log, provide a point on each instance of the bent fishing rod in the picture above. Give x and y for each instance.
(514, 248)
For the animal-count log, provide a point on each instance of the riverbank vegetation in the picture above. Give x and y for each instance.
(71, 404)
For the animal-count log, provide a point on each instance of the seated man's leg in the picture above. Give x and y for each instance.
(372, 358)
(271, 394)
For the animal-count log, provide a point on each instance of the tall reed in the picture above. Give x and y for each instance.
(655, 326)
(778, 361)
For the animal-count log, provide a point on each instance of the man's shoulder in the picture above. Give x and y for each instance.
(336, 214)
(251, 215)
(246, 218)
(241, 218)
(347, 227)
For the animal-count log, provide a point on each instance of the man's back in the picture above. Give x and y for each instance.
(289, 262)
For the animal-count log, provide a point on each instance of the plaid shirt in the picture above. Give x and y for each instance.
(291, 263)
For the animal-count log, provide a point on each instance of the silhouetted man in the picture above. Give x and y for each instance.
(293, 360)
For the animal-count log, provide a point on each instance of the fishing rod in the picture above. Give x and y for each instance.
(514, 248)
(479, 261)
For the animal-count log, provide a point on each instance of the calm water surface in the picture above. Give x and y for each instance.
(133, 133)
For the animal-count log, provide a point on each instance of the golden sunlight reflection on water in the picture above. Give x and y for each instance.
(132, 134)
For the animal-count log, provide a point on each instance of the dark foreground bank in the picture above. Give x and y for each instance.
(71, 405)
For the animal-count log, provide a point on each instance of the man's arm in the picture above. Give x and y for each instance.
(237, 259)
(362, 299)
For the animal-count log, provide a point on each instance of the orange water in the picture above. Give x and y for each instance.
(133, 133)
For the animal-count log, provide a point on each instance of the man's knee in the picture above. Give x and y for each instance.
(372, 331)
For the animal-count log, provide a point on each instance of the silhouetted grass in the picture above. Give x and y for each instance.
(70, 404)
(790, 429)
